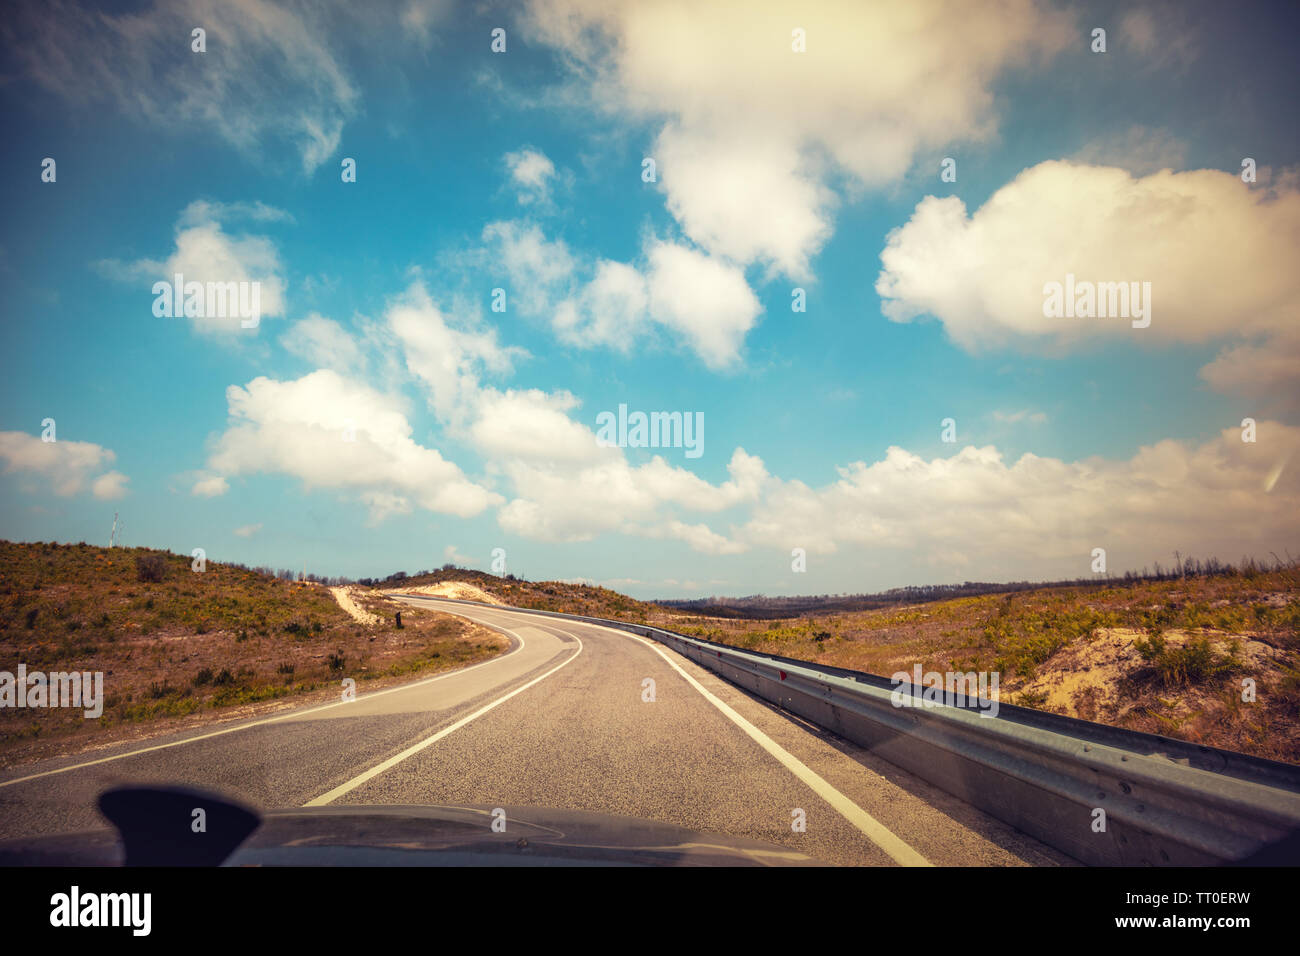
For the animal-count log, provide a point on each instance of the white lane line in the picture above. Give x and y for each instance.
(393, 761)
(873, 829)
(268, 720)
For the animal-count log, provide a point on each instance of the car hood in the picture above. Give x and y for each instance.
(438, 836)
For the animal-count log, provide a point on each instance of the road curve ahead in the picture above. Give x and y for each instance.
(575, 716)
(702, 754)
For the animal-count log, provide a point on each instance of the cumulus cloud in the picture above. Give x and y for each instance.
(532, 425)
(268, 76)
(578, 501)
(1043, 516)
(213, 486)
(66, 467)
(323, 343)
(248, 530)
(610, 310)
(703, 300)
(753, 132)
(538, 268)
(747, 197)
(330, 432)
(1265, 370)
(549, 479)
(206, 253)
(531, 173)
(1219, 255)
(560, 483)
(975, 510)
(450, 553)
(448, 354)
(109, 486)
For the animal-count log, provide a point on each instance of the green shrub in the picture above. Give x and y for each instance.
(1194, 663)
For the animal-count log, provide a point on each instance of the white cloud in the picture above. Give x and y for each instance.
(531, 172)
(203, 211)
(1039, 517)
(703, 300)
(1035, 517)
(212, 486)
(1020, 415)
(65, 467)
(204, 253)
(109, 486)
(418, 17)
(534, 426)
(538, 269)
(323, 343)
(384, 504)
(1264, 370)
(707, 301)
(268, 76)
(752, 132)
(610, 310)
(449, 355)
(701, 538)
(747, 196)
(563, 484)
(300, 428)
(248, 530)
(577, 501)
(1192, 235)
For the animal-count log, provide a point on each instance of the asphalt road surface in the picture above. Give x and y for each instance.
(561, 720)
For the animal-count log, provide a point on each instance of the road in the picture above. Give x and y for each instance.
(561, 720)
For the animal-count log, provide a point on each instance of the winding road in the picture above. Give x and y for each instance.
(574, 716)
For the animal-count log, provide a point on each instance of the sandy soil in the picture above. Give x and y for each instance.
(449, 589)
(1083, 680)
(345, 601)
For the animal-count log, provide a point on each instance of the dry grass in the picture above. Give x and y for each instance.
(182, 647)
(1168, 657)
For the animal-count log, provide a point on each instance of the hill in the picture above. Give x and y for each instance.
(177, 646)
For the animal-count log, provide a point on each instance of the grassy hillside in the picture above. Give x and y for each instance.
(176, 645)
(1167, 657)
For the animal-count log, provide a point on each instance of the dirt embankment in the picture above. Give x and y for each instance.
(344, 597)
(460, 590)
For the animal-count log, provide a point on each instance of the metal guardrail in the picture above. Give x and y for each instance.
(1165, 801)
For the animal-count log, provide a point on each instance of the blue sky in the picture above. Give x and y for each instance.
(473, 430)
